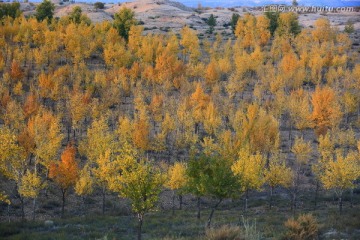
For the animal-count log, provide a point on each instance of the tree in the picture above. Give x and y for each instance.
(11, 159)
(234, 20)
(99, 5)
(65, 173)
(211, 21)
(45, 10)
(288, 24)
(191, 45)
(211, 176)
(220, 182)
(302, 151)
(123, 21)
(77, 17)
(340, 174)
(30, 186)
(277, 174)
(326, 111)
(10, 9)
(45, 129)
(98, 140)
(274, 21)
(85, 182)
(249, 169)
(176, 181)
(141, 183)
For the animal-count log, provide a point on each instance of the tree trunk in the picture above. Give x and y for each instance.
(22, 208)
(180, 201)
(290, 138)
(198, 207)
(316, 193)
(141, 219)
(173, 203)
(103, 200)
(8, 212)
(293, 201)
(271, 197)
(34, 209)
(351, 198)
(63, 203)
(212, 213)
(246, 201)
(340, 205)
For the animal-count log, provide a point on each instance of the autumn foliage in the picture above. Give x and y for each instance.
(270, 107)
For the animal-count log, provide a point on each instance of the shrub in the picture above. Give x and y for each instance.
(250, 230)
(305, 227)
(99, 5)
(225, 232)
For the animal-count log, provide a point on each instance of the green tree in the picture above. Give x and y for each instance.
(77, 17)
(212, 23)
(10, 9)
(288, 24)
(45, 10)
(213, 177)
(274, 18)
(234, 19)
(141, 183)
(99, 5)
(123, 22)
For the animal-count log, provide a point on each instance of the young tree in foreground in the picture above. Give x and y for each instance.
(65, 173)
(211, 176)
(176, 181)
(141, 183)
(340, 173)
(30, 187)
(249, 169)
(278, 174)
(219, 182)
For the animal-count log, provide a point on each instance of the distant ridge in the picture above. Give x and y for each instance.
(253, 3)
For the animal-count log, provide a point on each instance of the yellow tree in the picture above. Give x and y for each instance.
(277, 174)
(45, 128)
(340, 174)
(98, 140)
(249, 168)
(85, 182)
(103, 171)
(12, 159)
(257, 128)
(302, 151)
(30, 186)
(212, 74)
(141, 132)
(190, 43)
(212, 119)
(299, 110)
(326, 111)
(199, 101)
(176, 181)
